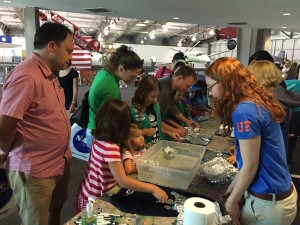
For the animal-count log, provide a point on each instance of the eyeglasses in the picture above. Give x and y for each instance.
(211, 86)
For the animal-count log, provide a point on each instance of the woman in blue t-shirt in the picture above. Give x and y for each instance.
(263, 177)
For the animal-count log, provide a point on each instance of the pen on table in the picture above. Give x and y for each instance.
(109, 223)
(105, 217)
(109, 214)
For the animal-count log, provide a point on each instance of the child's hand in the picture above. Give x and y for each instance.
(149, 132)
(160, 194)
(182, 132)
(231, 150)
(192, 123)
(231, 159)
(175, 136)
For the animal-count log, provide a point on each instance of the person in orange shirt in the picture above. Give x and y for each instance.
(35, 128)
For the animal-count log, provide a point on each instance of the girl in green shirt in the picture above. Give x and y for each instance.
(145, 110)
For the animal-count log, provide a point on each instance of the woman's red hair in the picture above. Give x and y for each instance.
(237, 84)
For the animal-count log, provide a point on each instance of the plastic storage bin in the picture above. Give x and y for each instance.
(153, 166)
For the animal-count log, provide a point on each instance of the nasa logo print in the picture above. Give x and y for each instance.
(79, 141)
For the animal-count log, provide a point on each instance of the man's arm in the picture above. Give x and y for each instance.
(8, 131)
(175, 112)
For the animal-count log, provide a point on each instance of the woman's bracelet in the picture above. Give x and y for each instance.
(74, 102)
(232, 203)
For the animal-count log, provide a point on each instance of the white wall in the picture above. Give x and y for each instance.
(6, 54)
(164, 54)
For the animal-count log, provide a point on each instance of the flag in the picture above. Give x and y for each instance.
(82, 59)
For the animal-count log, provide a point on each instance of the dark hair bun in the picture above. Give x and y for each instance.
(122, 48)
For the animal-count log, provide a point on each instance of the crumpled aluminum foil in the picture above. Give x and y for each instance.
(218, 171)
(169, 153)
(151, 162)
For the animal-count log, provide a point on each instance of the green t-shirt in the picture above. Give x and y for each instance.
(104, 87)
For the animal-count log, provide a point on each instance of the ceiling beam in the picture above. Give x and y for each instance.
(145, 32)
(128, 27)
(100, 28)
(201, 35)
(20, 14)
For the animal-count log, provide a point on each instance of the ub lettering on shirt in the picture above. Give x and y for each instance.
(243, 126)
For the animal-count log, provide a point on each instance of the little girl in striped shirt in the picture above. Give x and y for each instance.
(134, 148)
(105, 169)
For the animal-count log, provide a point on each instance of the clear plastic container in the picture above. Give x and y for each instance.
(178, 172)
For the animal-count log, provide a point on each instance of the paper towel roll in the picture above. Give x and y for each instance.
(198, 211)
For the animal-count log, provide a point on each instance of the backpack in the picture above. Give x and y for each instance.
(81, 115)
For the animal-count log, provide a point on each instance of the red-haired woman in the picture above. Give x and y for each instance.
(263, 177)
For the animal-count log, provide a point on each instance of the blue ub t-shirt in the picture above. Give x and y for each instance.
(272, 174)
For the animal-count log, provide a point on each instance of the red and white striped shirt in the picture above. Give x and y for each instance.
(98, 178)
(128, 155)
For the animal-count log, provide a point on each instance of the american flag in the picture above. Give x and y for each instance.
(82, 59)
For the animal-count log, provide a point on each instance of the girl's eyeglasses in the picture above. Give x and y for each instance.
(211, 86)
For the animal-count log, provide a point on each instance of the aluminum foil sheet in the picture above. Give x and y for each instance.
(195, 138)
(218, 171)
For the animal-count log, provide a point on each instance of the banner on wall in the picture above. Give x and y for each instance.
(77, 143)
(6, 39)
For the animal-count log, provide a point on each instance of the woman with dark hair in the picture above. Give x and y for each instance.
(122, 65)
(68, 80)
(263, 177)
(145, 110)
(105, 169)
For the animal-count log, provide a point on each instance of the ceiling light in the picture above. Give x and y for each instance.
(142, 41)
(175, 18)
(179, 44)
(284, 27)
(194, 38)
(152, 36)
(6, 1)
(145, 38)
(286, 14)
(165, 28)
(112, 25)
